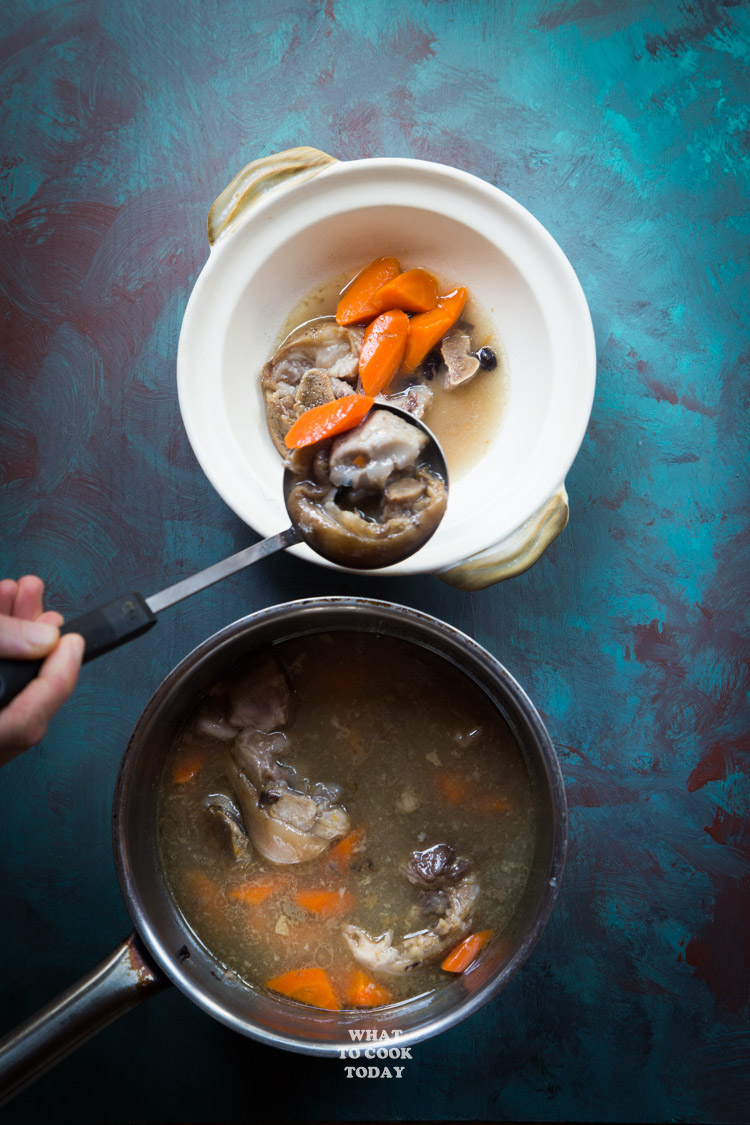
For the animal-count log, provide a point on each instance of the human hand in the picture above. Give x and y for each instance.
(28, 633)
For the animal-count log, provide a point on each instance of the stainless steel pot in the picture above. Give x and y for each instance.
(163, 949)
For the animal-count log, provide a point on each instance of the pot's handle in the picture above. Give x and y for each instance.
(257, 179)
(108, 991)
(516, 553)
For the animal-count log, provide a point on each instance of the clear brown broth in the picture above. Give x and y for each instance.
(382, 718)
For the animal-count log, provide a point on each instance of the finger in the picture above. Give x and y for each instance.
(7, 595)
(51, 617)
(24, 721)
(26, 640)
(28, 600)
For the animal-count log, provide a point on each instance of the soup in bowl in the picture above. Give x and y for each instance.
(287, 233)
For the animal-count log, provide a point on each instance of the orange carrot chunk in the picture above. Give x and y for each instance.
(311, 986)
(458, 788)
(355, 305)
(258, 890)
(189, 764)
(382, 350)
(326, 904)
(326, 420)
(363, 992)
(343, 853)
(414, 291)
(426, 329)
(465, 952)
(455, 787)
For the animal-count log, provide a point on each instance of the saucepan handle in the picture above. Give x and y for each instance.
(258, 179)
(108, 991)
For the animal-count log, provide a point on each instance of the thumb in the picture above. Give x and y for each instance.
(27, 640)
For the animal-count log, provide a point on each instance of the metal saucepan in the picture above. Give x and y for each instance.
(163, 949)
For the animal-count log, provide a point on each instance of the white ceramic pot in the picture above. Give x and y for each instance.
(289, 223)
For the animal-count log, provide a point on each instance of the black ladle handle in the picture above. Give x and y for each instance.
(102, 629)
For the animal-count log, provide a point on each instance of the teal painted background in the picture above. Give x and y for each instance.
(624, 128)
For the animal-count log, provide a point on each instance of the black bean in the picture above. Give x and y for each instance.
(487, 359)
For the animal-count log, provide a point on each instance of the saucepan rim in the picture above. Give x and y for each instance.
(297, 618)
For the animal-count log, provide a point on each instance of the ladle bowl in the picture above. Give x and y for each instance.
(378, 544)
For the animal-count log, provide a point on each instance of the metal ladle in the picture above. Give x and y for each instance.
(131, 614)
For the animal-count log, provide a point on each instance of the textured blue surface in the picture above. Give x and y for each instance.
(624, 128)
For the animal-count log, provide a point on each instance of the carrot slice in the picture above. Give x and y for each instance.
(363, 992)
(458, 788)
(258, 890)
(311, 986)
(465, 952)
(206, 894)
(427, 328)
(355, 305)
(326, 420)
(189, 764)
(455, 787)
(343, 853)
(326, 904)
(414, 291)
(382, 350)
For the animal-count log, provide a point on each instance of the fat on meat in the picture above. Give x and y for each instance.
(365, 457)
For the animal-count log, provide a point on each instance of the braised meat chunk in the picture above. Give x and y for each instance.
(382, 954)
(317, 363)
(288, 819)
(262, 698)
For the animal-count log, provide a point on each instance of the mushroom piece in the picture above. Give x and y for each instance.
(461, 364)
(223, 819)
(381, 955)
(435, 866)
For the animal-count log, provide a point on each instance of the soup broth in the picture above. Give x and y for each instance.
(464, 419)
(404, 755)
